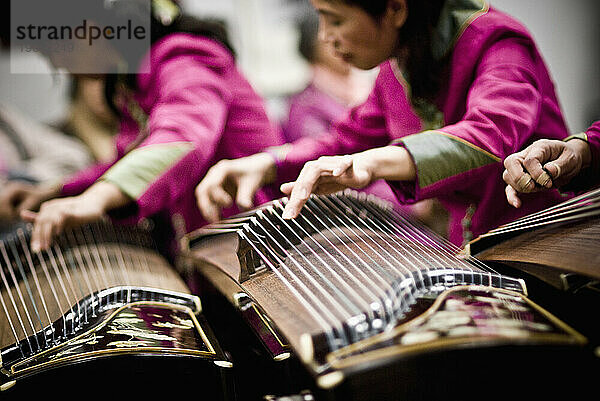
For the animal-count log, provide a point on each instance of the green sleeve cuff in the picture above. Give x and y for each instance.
(438, 155)
(134, 173)
(581, 135)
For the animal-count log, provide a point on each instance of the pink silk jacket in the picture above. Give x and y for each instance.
(196, 108)
(498, 98)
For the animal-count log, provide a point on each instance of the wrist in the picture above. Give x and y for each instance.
(268, 165)
(392, 163)
(106, 196)
(50, 190)
(582, 148)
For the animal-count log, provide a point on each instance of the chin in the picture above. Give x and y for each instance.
(364, 65)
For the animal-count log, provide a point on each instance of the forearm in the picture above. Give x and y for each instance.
(107, 195)
(391, 163)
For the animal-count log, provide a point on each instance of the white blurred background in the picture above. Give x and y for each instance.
(265, 37)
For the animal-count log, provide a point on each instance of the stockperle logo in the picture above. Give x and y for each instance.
(81, 36)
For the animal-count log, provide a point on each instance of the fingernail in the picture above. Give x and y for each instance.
(35, 246)
(287, 214)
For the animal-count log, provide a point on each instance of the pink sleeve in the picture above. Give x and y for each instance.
(363, 128)
(80, 181)
(593, 136)
(502, 110)
(185, 126)
(191, 105)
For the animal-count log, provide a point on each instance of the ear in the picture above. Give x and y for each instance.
(399, 11)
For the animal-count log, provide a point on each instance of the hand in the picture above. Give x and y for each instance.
(59, 214)
(543, 165)
(229, 179)
(331, 174)
(17, 196)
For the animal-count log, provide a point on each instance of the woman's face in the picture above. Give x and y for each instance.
(355, 35)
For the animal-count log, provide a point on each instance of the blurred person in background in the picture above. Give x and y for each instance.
(32, 152)
(90, 118)
(333, 88)
(193, 108)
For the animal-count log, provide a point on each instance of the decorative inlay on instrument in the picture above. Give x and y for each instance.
(100, 291)
(355, 286)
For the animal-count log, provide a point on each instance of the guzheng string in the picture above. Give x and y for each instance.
(38, 288)
(583, 206)
(374, 285)
(320, 313)
(345, 292)
(355, 264)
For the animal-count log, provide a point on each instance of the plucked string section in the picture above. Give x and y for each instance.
(583, 207)
(49, 296)
(356, 264)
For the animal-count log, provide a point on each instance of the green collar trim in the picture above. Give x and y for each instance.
(456, 16)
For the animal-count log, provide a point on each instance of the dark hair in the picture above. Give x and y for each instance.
(308, 28)
(213, 29)
(423, 71)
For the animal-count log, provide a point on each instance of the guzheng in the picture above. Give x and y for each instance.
(375, 306)
(560, 244)
(101, 306)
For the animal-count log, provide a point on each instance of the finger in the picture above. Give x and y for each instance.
(512, 197)
(287, 187)
(45, 238)
(297, 199)
(28, 215)
(210, 211)
(564, 168)
(220, 197)
(58, 226)
(544, 179)
(38, 234)
(538, 154)
(514, 169)
(554, 169)
(343, 164)
(309, 177)
(514, 163)
(524, 184)
(532, 162)
(303, 186)
(245, 192)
